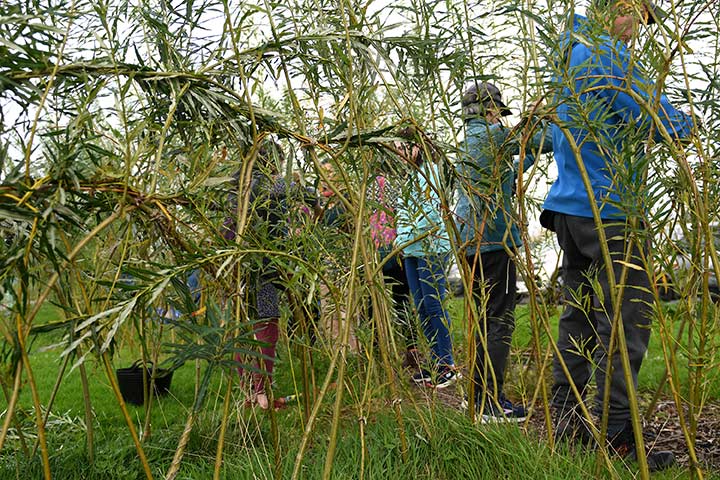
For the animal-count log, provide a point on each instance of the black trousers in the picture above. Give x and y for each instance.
(400, 293)
(496, 326)
(585, 324)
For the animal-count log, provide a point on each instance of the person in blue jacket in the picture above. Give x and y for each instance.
(425, 244)
(489, 236)
(603, 103)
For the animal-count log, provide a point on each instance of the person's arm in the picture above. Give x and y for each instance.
(541, 141)
(528, 162)
(501, 141)
(510, 141)
(613, 68)
(312, 202)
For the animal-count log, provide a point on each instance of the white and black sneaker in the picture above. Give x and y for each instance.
(423, 377)
(502, 412)
(507, 412)
(447, 376)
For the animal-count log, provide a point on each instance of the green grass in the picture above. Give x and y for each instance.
(443, 443)
(454, 449)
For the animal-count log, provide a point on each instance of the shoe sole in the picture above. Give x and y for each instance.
(458, 376)
(489, 419)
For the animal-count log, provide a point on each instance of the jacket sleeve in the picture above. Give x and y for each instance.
(613, 67)
(541, 141)
(510, 141)
(528, 162)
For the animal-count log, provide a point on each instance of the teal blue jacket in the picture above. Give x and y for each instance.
(418, 212)
(485, 211)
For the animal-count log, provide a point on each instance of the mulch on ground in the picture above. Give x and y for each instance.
(668, 435)
(662, 432)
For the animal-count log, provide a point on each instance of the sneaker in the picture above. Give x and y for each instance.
(623, 444)
(571, 427)
(657, 461)
(447, 376)
(422, 377)
(505, 412)
(518, 411)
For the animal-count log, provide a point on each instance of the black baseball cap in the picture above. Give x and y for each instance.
(484, 93)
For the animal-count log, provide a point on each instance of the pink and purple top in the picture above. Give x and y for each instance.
(382, 220)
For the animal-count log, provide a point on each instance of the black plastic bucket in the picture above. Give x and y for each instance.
(130, 381)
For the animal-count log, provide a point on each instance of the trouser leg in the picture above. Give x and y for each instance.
(497, 274)
(267, 309)
(400, 293)
(581, 237)
(576, 327)
(266, 332)
(426, 278)
(636, 311)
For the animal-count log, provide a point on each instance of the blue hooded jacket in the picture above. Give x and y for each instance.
(604, 120)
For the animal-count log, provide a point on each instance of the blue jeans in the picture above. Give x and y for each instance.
(426, 278)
